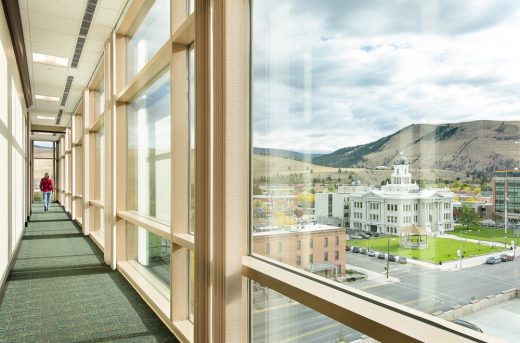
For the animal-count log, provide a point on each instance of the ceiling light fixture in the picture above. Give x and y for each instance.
(47, 98)
(52, 60)
(45, 118)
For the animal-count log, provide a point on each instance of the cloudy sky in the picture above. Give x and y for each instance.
(334, 73)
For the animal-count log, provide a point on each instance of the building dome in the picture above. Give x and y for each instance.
(401, 159)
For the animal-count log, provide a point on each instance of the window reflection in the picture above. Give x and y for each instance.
(148, 154)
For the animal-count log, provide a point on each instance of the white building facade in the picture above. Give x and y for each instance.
(397, 204)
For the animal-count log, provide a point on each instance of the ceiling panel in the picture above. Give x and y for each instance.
(116, 5)
(60, 8)
(52, 23)
(53, 38)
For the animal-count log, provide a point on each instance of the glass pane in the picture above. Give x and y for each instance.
(148, 154)
(99, 166)
(276, 318)
(152, 32)
(150, 251)
(191, 76)
(191, 285)
(99, 97)
(386, 124)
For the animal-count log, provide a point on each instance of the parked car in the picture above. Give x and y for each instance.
(371, 253)
(467, 324)
(403, 260)
(364, 235)
(355, 250)
(363, 251)
(506, 257)
(381, 256)
(493, 260)
(391, 258)
(348, 248)
(356, 237)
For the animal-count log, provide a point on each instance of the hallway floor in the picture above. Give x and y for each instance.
(60, 290)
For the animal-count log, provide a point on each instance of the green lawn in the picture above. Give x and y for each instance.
(439, 249)
(486, 234)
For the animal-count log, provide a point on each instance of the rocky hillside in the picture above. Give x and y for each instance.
(477, 146)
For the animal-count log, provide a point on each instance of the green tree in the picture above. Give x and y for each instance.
(468, 216)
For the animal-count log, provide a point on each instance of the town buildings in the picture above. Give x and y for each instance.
(506, 185)
(317, 248)
(397, 204)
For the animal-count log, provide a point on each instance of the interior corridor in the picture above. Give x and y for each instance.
(60, 290)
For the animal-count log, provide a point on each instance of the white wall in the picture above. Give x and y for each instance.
(13, 162)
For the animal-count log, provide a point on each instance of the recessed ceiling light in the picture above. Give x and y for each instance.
(47, 98)
(45, 118)
(53, 60)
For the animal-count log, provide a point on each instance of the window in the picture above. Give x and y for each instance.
(152, 32)
(325, 256)
(150, 251)
(298, 260)
(298, 245)
(325, 242)
(336, 255)
(148, 152)
(311, 258)
(311, 243)
(337, 240)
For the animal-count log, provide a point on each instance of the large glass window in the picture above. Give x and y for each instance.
(150, 251)
(148, 154)
(276, 318)
(373, 127)
(191, 104)
(152, 32)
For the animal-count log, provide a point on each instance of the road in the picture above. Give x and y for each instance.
(279, 320)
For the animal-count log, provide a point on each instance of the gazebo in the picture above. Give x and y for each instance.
(414, 237)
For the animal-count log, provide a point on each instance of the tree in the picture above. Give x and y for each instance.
(468, 216)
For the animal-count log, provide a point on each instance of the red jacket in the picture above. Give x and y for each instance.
(46, 185)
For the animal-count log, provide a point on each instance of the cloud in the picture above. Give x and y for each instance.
(331, 74)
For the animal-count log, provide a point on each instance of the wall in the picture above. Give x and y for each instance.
(13, 162)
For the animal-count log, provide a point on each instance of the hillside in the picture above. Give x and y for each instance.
(263, 166)
(481, 146)
(288, 154)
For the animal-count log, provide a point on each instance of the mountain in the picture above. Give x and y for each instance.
(476, 146)
(288, 154)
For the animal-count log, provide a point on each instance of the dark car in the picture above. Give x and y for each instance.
(355, 250)
(391, 258)
(348, 248)
(506, 257)
(493, 260)
(467, 324)
(381, 256)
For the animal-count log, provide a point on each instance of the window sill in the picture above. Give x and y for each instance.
(382, 319)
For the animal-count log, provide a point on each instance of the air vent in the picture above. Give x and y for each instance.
(87, 17)
(77, 51)
(58, 119)
(66, 90)
(83, 32)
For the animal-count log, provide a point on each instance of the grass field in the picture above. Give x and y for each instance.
(439, 249)
(487, 234)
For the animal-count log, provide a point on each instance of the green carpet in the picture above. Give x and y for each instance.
(60, 290)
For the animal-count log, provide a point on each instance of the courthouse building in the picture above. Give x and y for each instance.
(395, 205)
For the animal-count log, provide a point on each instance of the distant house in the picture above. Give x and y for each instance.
(397, 204)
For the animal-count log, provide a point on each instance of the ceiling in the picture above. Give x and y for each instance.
(52, 27)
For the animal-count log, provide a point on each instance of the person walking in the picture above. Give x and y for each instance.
(46, 187)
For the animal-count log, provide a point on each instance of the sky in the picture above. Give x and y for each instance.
(334, 73)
